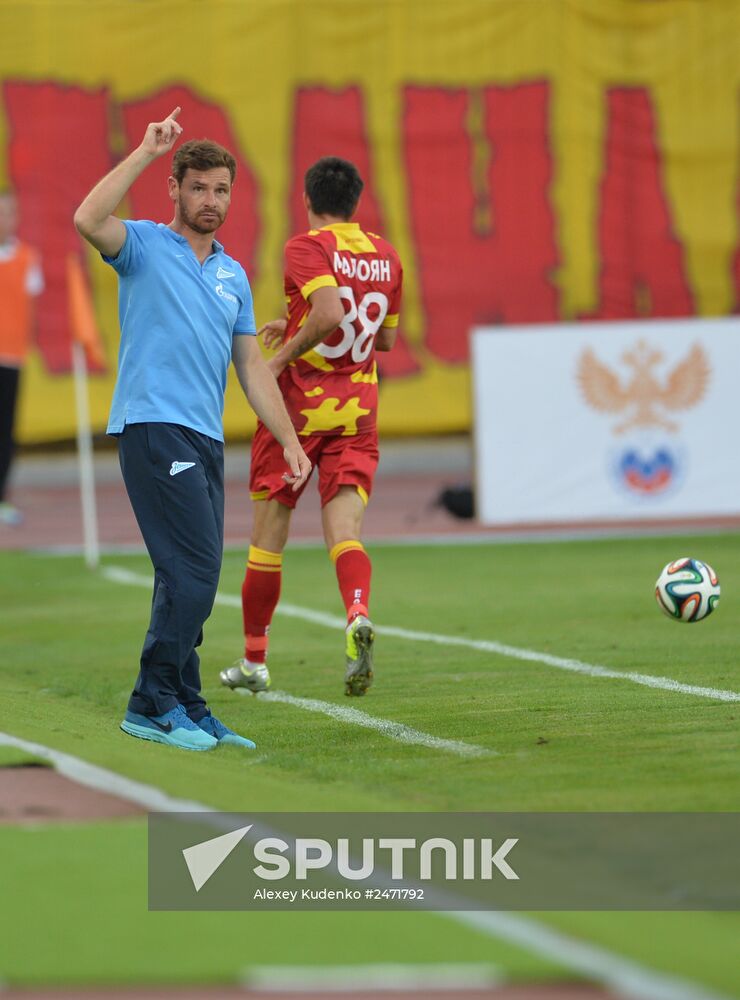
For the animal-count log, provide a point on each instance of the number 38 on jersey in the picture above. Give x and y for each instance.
(333, 387)
(361, 322)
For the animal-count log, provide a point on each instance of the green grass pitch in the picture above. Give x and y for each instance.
(562, 741)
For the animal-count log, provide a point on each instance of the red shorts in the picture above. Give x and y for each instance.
(341, 461)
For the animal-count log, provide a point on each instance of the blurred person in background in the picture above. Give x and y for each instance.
(343, 288)
(21, 281)
(185, 310)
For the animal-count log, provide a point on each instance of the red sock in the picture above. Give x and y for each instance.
(354, 569)
(260, 594)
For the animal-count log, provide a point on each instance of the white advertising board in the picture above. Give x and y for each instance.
(607, 421)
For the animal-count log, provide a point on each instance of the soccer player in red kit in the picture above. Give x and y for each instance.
(343, 289)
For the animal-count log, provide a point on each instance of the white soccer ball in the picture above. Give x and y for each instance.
(687, 590)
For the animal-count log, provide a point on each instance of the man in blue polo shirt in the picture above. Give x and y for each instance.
(185, 309)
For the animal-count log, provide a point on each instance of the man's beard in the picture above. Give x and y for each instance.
(198, 224)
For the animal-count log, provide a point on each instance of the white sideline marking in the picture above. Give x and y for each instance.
(625, 976)
(102, 780)
(120, 575)
(501, 649)
(392, 730)
(560, 663)
(380, 976)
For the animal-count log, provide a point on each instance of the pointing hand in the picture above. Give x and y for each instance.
(160, 137)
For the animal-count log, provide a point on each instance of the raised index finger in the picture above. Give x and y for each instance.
(175, 113)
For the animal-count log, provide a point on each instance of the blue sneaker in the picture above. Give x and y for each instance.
(174, 728)
(214, 727)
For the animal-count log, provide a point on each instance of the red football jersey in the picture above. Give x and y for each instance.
(333, 389)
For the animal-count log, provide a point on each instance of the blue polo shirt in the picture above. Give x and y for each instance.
(178, 318)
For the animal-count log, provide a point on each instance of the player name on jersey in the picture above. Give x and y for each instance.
(365, 270)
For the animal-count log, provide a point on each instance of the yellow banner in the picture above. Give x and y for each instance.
(532, 161)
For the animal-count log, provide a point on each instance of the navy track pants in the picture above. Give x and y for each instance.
(174, 477)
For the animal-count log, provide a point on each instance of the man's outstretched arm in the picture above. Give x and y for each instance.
(262, 391)
(327, 312)
(94, 219)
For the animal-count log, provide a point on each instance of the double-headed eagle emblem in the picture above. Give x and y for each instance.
(643, 393)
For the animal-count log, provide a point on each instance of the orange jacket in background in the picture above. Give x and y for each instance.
(20, 282)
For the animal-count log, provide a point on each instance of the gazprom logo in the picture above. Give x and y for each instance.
(224, 294)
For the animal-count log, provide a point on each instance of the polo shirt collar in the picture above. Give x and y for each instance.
(216, 246)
